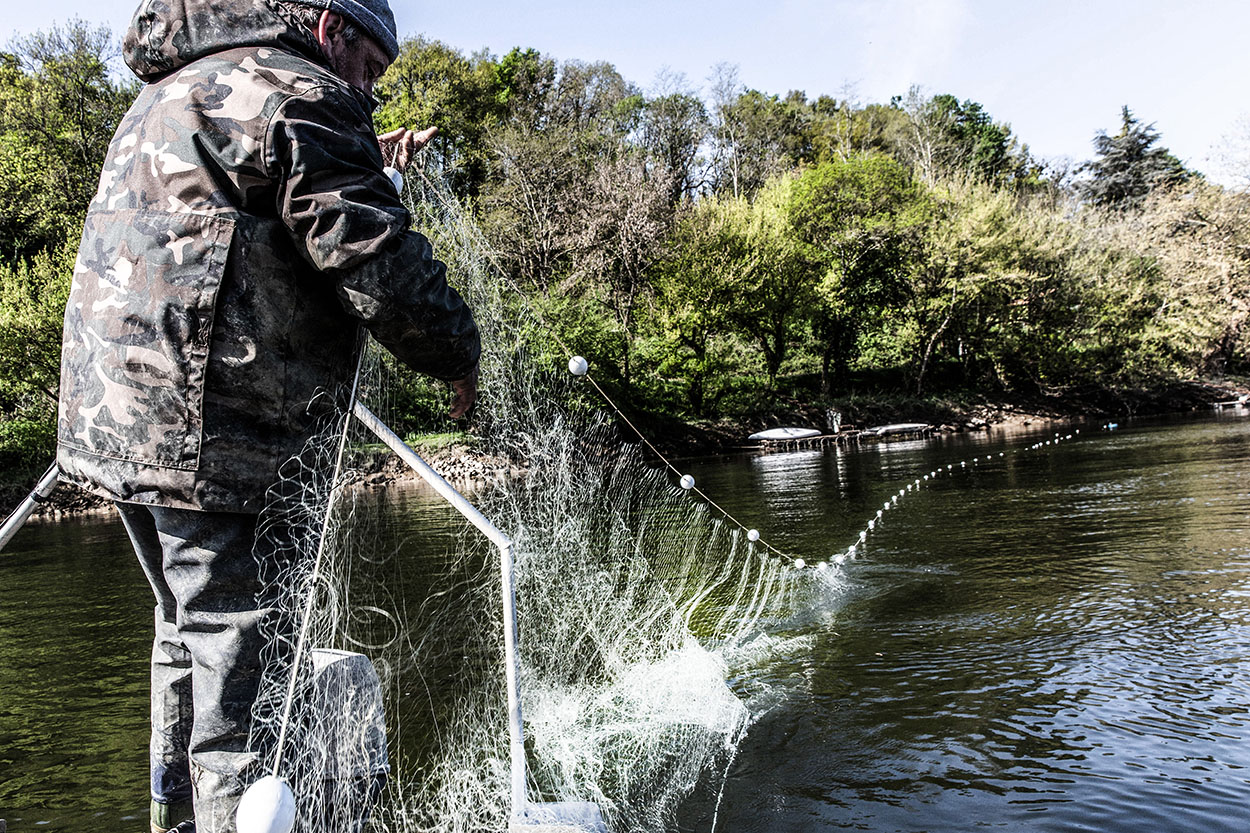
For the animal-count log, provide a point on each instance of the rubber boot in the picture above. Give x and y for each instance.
(173, 818)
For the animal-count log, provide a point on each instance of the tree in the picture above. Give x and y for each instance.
(674, 124)
(59, 106)
(1129, 166)
(524, 81)
(1199, 234)
(625, 215)
(588, 98)
(432, 84)
(948, 138)
(528, 212)
(844, 128)
(755, 136)
(700, 287)
(855, 220)
(993, 292)
(779, 281)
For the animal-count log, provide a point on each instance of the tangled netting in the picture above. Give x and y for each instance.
(636, 606)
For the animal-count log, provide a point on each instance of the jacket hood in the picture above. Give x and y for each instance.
(166, 35)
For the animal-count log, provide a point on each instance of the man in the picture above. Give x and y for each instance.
(243, 231)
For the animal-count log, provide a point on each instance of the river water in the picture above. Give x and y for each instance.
(1055, 640)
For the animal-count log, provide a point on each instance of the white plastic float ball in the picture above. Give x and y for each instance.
(822, 566)
(872, 524)
(799, 563)
(268, 806)
(397, 179)
(753, 535)
(863, 536)
(687, 482)
(578, 366)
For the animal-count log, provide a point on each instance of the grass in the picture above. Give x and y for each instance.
(439, 441)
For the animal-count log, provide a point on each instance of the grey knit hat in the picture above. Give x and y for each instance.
(374, 16)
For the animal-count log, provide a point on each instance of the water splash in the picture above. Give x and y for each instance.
(636, 603)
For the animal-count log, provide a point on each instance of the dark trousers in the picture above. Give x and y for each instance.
(206, 664)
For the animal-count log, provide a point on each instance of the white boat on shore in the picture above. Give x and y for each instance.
(775, 434)
(900, 428)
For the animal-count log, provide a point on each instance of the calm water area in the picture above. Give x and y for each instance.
(1054, 640)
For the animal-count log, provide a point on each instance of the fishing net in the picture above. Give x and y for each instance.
(636, 602)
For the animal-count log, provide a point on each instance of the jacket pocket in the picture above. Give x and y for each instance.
(137, 332)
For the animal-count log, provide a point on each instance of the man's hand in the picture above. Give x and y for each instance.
(400, 145)
(464, 394)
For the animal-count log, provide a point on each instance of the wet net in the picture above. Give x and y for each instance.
(637, 604)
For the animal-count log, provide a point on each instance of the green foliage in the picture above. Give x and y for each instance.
(945, 139)
(32, 304)
(974, 142)
(524, 81)
(780, 282)
(673, 128)
(700, 288)
(27, 446)
(59, 106)
(857, 222)
(431, 84)
(1129, 166)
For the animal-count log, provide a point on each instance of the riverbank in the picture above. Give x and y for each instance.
(948, 413)
(464, 465)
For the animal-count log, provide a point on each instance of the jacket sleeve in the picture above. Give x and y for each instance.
(346, 219)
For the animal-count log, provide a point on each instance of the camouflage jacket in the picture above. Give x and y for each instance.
(242, 232)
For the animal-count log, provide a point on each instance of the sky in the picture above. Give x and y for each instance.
(1056, 71)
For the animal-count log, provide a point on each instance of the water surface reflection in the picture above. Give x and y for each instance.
(1050, 642)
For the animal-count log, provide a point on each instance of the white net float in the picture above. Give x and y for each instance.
(268, 806)
(396, 178)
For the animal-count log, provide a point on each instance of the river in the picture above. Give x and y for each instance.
(1050, 641)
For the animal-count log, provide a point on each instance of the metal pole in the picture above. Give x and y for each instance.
(38, 495)
(512, 668)
(516, 726)
(457, 500)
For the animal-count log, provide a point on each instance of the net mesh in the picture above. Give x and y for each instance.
(636, 605)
